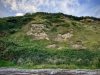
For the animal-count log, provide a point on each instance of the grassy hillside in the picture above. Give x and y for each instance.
(50, 40)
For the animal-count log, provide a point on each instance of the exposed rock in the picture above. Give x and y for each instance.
(78, 46)
(37, 31)
(64, 37)
(60, 47)
(20, 60)
(41, 36)
(55, 60)
(51, 46)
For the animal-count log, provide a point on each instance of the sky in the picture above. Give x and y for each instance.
(70, 7)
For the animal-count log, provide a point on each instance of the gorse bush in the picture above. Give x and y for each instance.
(74, 23)
(24, 54)
(48, 24)
(65, 25)
(9, 23)
(21, 44)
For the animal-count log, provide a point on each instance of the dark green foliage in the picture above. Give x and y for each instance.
(65, 25)
(13, 31)
(28, 14)
(38, 54)
(53, 18)
(21, 51)
(89, 21)
(54, 29)
(74, 23)
(98, 62)
(9, 23)
(4, 63)
(56, 20)
(48, 24)
(3, 26)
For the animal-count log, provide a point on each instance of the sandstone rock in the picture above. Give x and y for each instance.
(37, 31)
(63, 37)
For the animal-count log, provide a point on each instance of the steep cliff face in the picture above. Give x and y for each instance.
(37, 31)
(47, 40)
(60, 31)
(53, 30)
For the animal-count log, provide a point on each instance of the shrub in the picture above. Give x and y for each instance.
(48, 24)
(65, 25)
(74, 23)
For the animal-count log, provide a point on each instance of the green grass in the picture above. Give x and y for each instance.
(34, 55)
(4, 63)
(17, 48)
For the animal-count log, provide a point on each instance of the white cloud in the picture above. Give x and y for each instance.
(21, 5)
(72, 7)
(36, 5)
(19, 14)
(10, 3)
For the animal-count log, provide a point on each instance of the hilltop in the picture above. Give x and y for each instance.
(54, 30)
(54, 38)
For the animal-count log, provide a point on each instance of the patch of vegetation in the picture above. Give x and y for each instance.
(48, 24)
(33, 55)
(74, 23)
(54, 29)
(4, 63)
(17, 48)
(65, 25)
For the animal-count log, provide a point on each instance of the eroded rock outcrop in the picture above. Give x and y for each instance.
(63, 37)
(37, 31)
